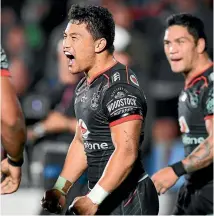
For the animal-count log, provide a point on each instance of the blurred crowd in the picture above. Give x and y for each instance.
(32, 32)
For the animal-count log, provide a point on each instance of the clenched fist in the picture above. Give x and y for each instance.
(53, 201)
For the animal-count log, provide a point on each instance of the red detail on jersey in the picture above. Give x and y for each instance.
(130, 198)
(196, 80)
(134, 80)
(107, 79)
(5, 72)
(125, 119)
(193, 79)
(83, 128)
(90, 80)
(208, 117)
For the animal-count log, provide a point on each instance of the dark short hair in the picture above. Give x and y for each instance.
(99, 21)
(194, 25)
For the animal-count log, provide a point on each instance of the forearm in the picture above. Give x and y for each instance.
(14, 136)
(75, 162)
(201, 157)
(117, 169)
(64, 124)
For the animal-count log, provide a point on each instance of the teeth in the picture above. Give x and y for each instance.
(67, 53)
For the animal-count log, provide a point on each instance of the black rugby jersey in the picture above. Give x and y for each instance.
(110, 98)
(195, 106)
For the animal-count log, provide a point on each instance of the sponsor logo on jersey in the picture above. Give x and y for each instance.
(113, 94)
(127, 101)
(83, 128)
(192, 140)
(96, 146)
(116, 76)
(134, 80)
(183, 125)
(119, 95)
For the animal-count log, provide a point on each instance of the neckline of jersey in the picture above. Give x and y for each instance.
(90, 80)
(189, 84)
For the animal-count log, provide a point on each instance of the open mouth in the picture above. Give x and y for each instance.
(70, 57)
(176, 59)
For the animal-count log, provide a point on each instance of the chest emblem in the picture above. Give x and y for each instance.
(94, 101)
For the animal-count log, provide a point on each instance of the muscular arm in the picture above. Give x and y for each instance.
(13, 131)
(76, 161)
(202, 156)
(125, 138)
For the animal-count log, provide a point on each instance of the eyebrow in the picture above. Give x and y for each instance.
(186, 38)
(72, 34)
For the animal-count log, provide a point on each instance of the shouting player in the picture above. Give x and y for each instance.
(185, 47)
(13, 132)
(111, 109)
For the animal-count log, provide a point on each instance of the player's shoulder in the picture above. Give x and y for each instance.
(202, 81)
(122, 74)
(209, 75)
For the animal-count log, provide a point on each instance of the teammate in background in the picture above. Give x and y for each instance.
(185, 47)
(110, 108)
(13, 132)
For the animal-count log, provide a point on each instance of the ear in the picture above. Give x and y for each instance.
(100, 45)
(201, 45)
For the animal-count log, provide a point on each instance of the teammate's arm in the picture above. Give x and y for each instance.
(47, 126)
(125, 137)
(13, 131)
(202, 156)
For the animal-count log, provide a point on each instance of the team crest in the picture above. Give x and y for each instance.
(94, 101)
(134, 80)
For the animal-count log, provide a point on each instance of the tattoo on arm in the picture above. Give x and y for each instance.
(200, 157)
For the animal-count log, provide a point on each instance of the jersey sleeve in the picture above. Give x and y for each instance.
(123, 102)
(4, 64)
(208, 101)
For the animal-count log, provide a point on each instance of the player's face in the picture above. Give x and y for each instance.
(79, 47)
(180, 49)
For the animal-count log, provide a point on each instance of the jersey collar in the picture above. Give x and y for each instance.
(92, 78)
(190, 82)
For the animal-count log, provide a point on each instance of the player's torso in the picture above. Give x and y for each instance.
(192, 120)
(190, 111)
(92, 120)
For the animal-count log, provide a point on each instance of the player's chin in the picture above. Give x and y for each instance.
(177, 69)
(73, 70)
